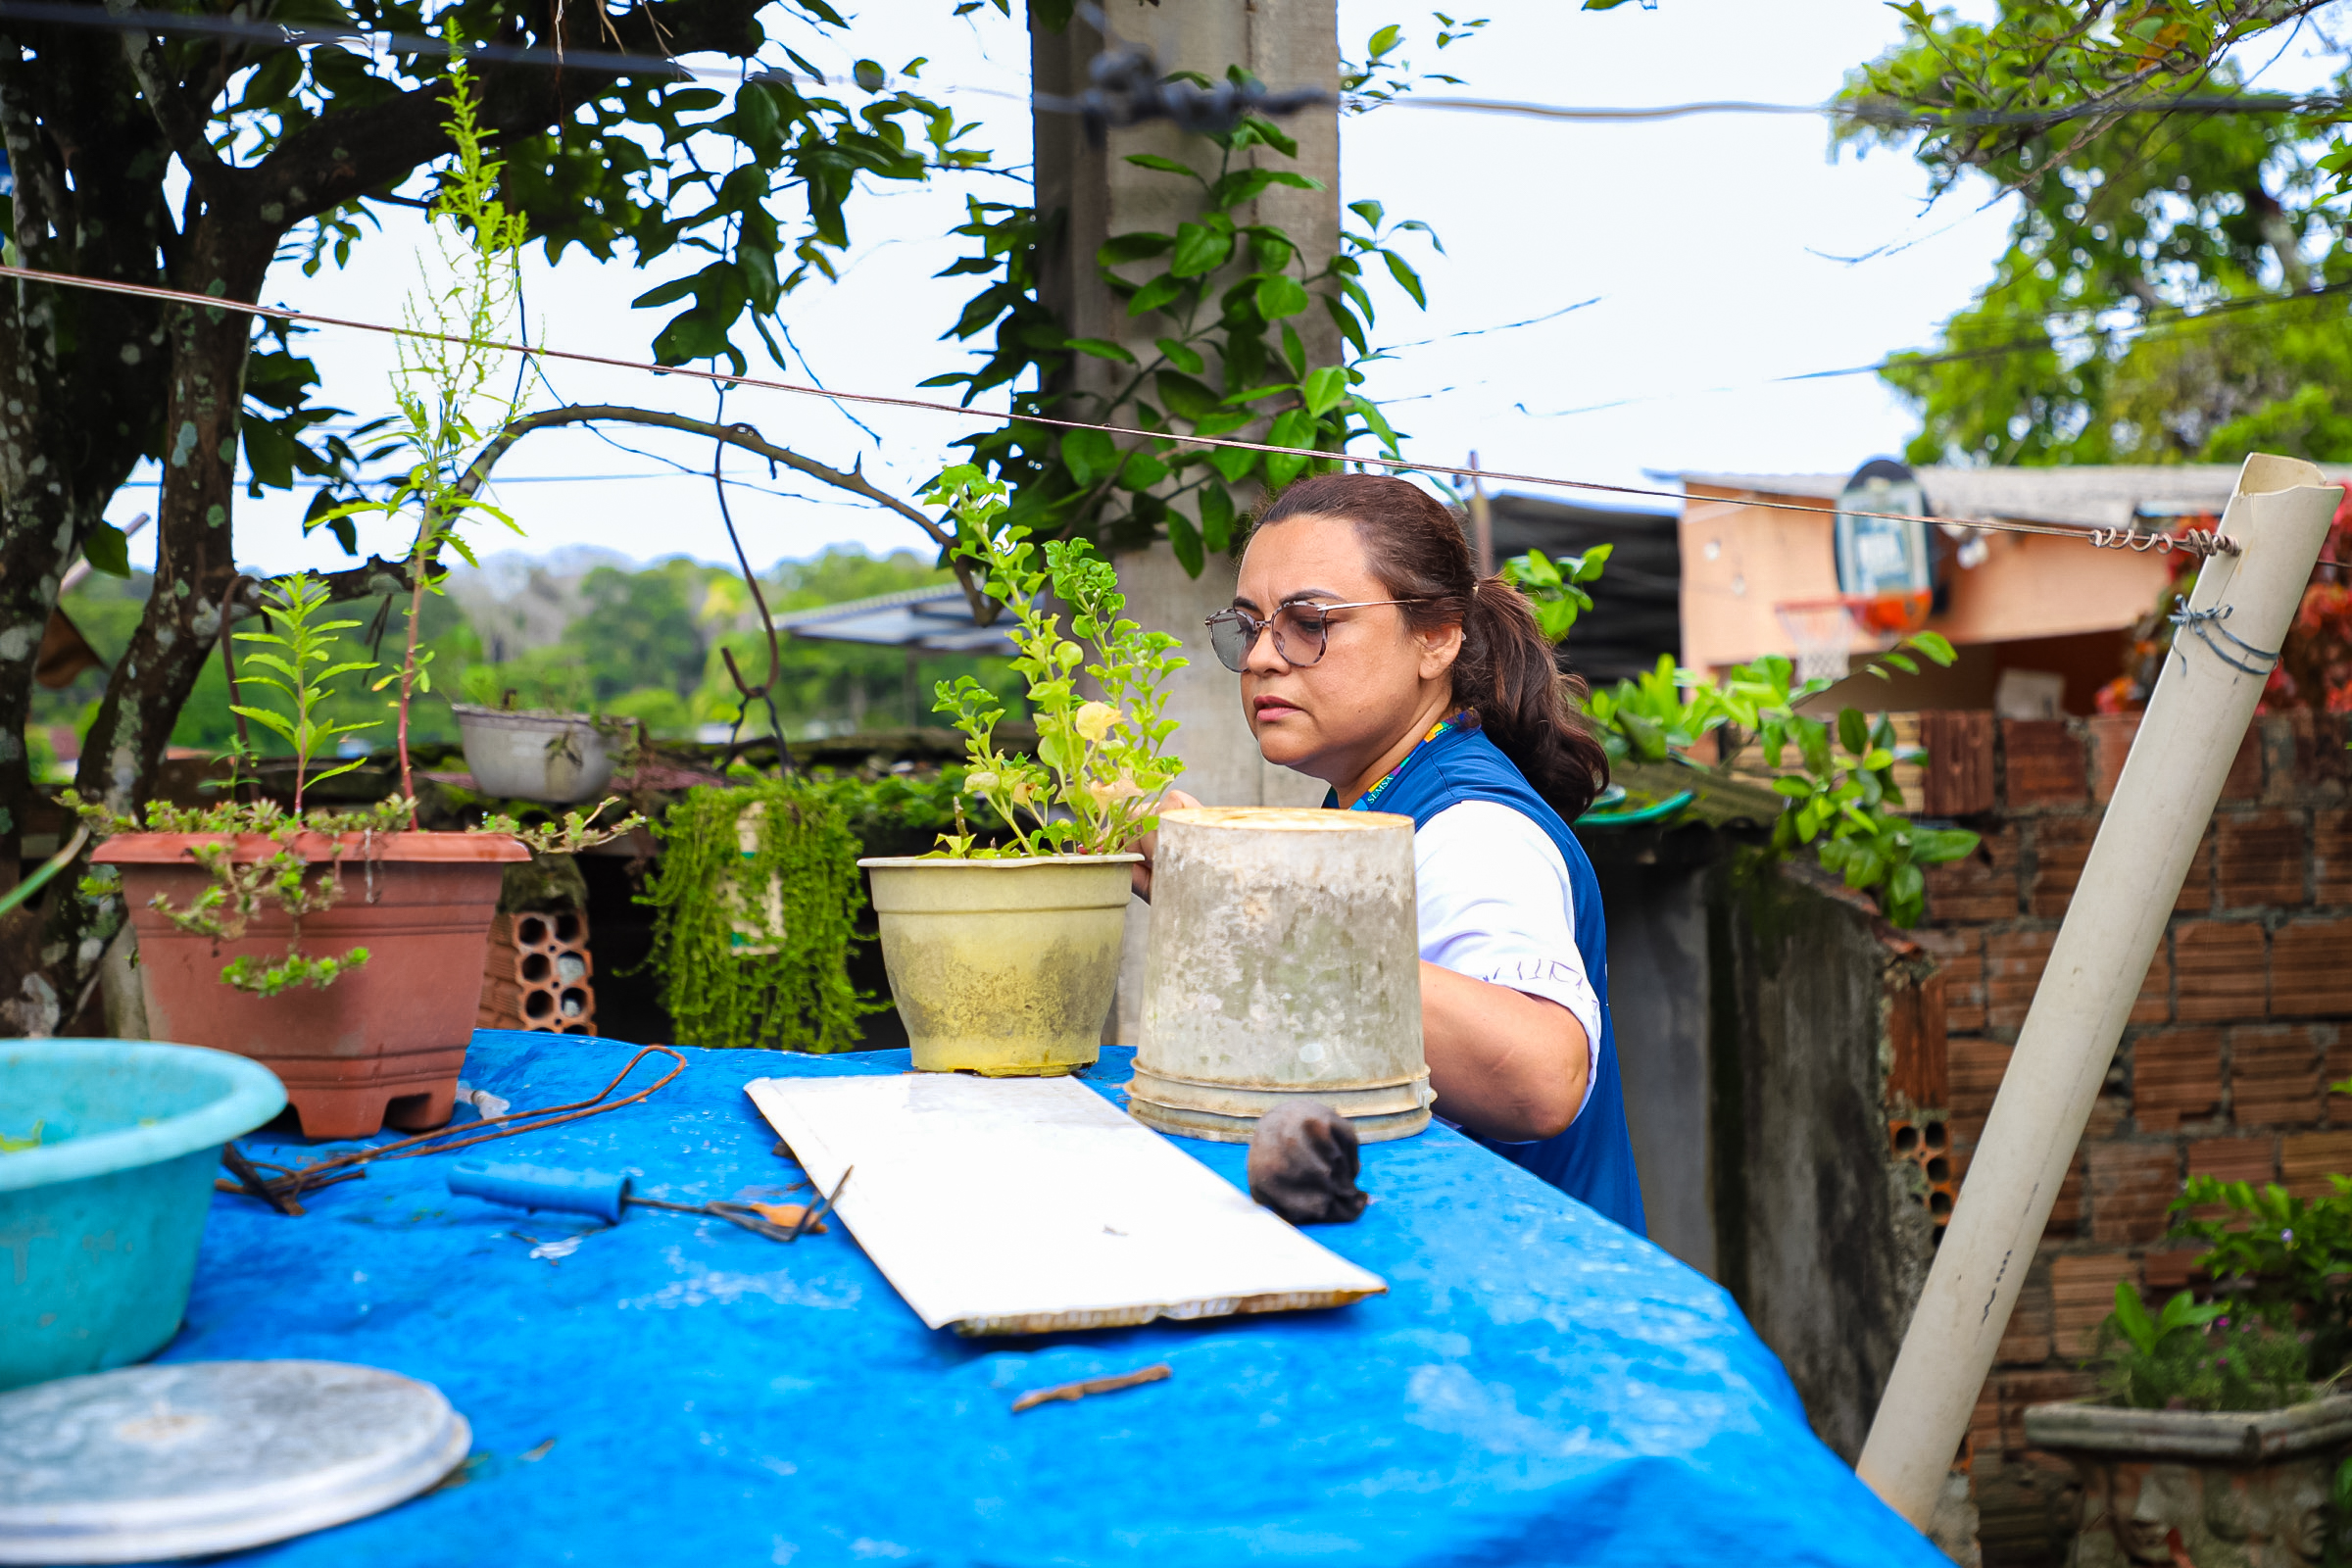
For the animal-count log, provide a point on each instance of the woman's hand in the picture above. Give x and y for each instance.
(1149, 845)
(1504, 1063)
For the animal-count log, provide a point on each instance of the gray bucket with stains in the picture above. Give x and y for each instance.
(1284, 962)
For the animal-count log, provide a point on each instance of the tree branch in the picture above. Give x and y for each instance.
(854, 480)
(181, 126)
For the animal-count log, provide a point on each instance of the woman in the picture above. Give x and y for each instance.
(1372, 657)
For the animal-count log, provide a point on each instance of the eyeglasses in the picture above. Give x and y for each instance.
(1302, 630)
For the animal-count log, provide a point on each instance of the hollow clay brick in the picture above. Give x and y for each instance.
(1983, 886)
(2130, 1187)
(2331, 858)
(2175, 1077)
(2013, 965)
(2041, 763)
(2258, 859)
(1976, 1066)
(2274, 1075)
(1960, 963)
(1957, 779)
(2109, 742)
(2061, 844)
(2167, 1272)
(2235, 1159)
(2311, 968)
(2244, 782)
(2196, 886)
(2306, 1159)
(2027, 1340)
(2218, 967)
(2083, 1293)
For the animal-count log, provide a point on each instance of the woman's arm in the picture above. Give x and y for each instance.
(1505, 1064)
(1149, 845)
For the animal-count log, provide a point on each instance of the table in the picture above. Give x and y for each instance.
(1538, 1387)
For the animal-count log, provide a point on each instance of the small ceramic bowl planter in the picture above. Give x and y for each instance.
(2218, 1489)
(533, 755)
(1004, 961)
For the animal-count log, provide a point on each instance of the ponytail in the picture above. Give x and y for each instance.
(1506, 671)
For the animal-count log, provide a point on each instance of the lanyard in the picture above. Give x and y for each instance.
(1363, 802)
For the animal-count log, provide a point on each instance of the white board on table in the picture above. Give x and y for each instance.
(1028, 1205)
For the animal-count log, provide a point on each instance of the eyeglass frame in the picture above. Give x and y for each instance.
(1235, 614)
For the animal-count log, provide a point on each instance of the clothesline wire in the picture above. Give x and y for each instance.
(1869, 111)
(2201, 542)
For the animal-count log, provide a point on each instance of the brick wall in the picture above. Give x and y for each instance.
(2243, 1019)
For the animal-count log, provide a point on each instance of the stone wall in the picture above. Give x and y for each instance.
(2244, 1017)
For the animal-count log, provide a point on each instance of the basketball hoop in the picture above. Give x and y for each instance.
(1827, 631)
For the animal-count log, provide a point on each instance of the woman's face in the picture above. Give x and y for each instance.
(1333, 718)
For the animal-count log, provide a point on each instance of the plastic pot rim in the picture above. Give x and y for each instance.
(253, 1096)
(914, 861)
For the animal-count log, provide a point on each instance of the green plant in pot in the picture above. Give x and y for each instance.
(1004, 958)
(2217, 1436)
(343, 948)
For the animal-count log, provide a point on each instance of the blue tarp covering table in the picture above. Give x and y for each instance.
(1538, 1387)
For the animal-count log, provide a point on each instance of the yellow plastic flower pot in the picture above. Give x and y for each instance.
(1002, 967)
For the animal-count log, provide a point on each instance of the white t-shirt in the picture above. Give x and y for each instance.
(1496, 906)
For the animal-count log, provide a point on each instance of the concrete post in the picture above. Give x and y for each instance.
(1286, 43)
(2171, 781)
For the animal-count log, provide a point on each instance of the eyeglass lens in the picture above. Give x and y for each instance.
(1300, 634)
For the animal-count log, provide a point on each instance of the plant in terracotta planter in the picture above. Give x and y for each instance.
(1002, 960)
(344, 948)
(2217, 1437)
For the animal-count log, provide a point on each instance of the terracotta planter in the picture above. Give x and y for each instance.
(2239, 1489)
(384, 1042)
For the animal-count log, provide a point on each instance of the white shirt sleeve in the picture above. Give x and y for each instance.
(1496, 906)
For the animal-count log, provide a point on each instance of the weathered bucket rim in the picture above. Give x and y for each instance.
(1286, 1087)
(893, 862)
(2237, 1437)
(531, 717)
(250, 1094)
(1299, 819)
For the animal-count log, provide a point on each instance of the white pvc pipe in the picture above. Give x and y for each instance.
(2170, 784)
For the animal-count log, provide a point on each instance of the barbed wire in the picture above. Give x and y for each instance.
(2202, 542)
(1130, 89)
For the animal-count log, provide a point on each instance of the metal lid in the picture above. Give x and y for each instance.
(209, 1456)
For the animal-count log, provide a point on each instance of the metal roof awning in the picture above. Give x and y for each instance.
(926, 621)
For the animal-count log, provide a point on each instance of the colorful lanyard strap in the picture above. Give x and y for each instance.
(1363, 802)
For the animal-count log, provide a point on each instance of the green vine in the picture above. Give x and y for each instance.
(758, 898)
(1225, 299)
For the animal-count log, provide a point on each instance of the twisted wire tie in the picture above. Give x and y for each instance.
(2206, 624)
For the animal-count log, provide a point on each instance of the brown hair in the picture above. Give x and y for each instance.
(1507, 669)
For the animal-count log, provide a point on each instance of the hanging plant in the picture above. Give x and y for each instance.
(758, 898)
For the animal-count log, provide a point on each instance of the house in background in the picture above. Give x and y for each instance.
(2050, 609)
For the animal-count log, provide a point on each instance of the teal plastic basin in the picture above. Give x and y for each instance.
(99, 1222)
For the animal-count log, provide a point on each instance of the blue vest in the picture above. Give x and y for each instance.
(1593, 1159)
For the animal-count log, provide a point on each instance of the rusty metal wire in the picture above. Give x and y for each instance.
(278, 1191)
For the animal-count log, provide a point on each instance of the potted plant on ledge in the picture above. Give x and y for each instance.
(345, 948)
(1003, 959)
(2218, 1437)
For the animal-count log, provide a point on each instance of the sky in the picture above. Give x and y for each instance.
(1717, 254)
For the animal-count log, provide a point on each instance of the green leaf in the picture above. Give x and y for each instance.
(1185, 396)
(1089, 455)
(1216, 518)
(1406, 278)
(1140, 246)
(1185, 542)
(1140, 471)
(1280, 295)
(1159, 293)
(1183, 357)
(1370, 212)
(1853, 731)
(1295, 427)
(107, 549)
(1933, 644)
(1324, 389)
(1099, 348)
(1166, 165)
(1201, 249)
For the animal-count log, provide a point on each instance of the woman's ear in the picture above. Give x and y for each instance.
(1440, 647)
